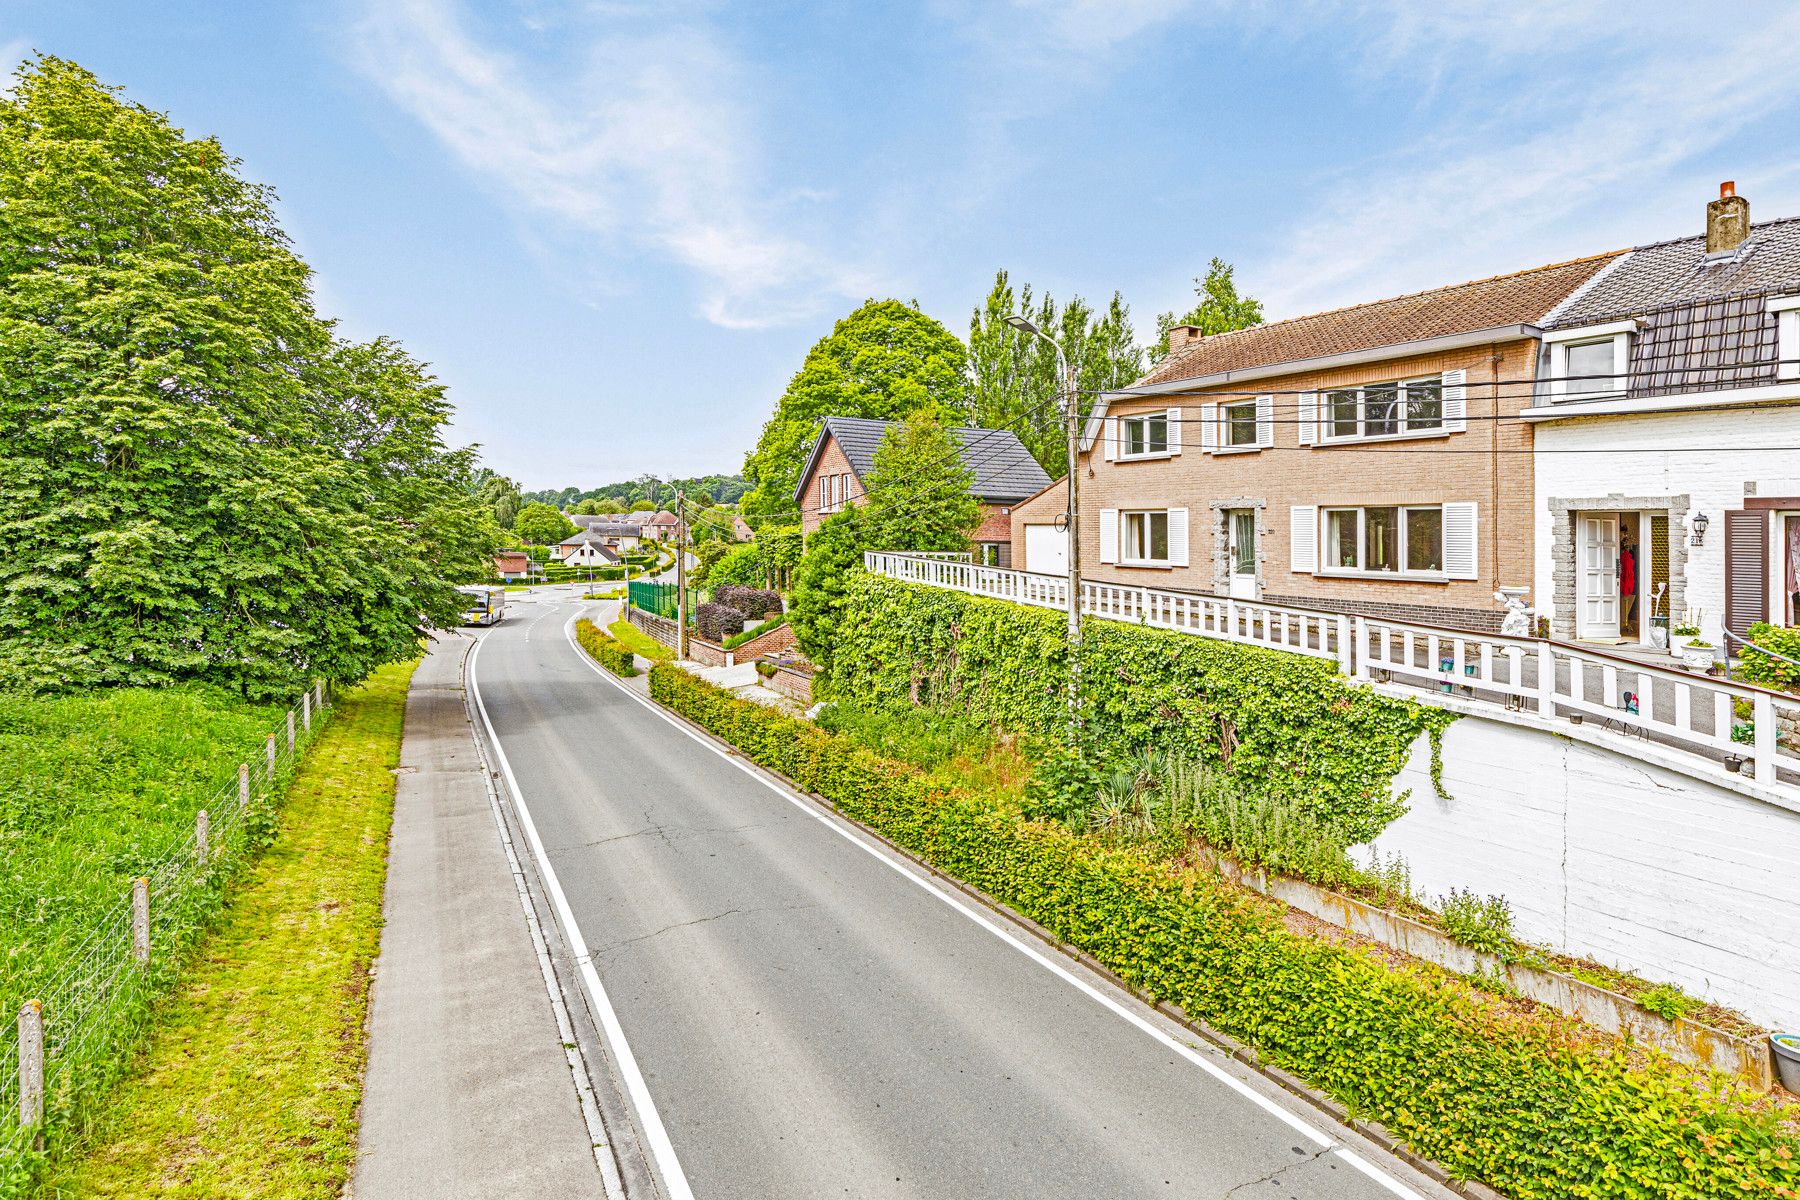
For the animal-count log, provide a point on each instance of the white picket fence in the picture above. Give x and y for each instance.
(1730, 725)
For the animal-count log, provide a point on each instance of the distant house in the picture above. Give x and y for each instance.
(512, 565)
(740, 529)
(615, 532)
(661, 526)
(587, 549)
(844, 454)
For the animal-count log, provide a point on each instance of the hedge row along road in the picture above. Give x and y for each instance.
(809, 1015)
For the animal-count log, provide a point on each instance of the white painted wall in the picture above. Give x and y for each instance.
(1659, 455)
(1613, 859)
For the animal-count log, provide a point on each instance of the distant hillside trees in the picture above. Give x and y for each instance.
(198, 479)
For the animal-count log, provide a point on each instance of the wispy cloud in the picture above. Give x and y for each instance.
(1590, 117)
(643, 148)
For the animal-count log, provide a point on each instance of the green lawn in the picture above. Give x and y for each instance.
(639, 642)
(250, 1084)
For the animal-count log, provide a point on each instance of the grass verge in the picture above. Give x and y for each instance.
(250, 1084)
(639, 642)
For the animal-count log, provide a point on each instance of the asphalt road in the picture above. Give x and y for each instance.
(811, 1021)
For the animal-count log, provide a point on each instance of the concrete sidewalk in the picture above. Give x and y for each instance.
(469, 1090)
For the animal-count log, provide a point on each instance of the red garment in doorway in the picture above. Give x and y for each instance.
(1628, 572)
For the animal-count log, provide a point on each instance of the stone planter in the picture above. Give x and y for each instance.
(1697, 658)
(1786, 1048)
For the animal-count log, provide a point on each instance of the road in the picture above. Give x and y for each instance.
(811, 1018)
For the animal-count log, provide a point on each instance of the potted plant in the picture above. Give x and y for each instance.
(1697, 655)
(1686, 631)
(1787, 1059)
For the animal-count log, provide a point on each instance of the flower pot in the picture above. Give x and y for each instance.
(1787, 1059)
(1697, 658)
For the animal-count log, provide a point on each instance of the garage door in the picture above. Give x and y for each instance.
(1046, 550)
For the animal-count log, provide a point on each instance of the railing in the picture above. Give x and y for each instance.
(1730, 724)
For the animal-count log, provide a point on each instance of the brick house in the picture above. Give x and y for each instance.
(512, 565)
(844, 453)
(660, 526)
(1357, 460)
(1667, 435)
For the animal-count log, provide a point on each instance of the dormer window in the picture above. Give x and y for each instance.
(1786, 310)
(1591, 363)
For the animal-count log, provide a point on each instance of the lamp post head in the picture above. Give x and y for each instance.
(1020, 323)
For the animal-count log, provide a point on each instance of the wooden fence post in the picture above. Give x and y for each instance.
(140, 921)
(270, 747)
(1546, 681)
(202, 835)
(31, 1069)
(290, 730)
(306, 710)
(243, 785)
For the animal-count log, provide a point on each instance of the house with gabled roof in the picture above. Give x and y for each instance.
(1004, 473)
(1368, 459)
(1667, 438)
(587, 549)
(660, 525)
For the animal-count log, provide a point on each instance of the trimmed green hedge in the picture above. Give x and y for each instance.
(1524, 1100)
(1279, 722)
(613, 655)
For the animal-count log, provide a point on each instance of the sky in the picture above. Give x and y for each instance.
(614, 228)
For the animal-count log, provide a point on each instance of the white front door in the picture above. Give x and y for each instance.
(1046, 550)
(1599, 576)
(1241, 551)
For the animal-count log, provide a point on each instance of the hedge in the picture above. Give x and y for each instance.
(613, 655)
(1278, 722)
(1763, 668)
(754, 603)
(716, 622)
(1527, 1101)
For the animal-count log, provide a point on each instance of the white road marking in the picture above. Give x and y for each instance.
(674, 1181)
(907, 871)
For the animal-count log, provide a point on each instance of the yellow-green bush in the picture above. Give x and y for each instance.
(605, 651)
(1521, 1099)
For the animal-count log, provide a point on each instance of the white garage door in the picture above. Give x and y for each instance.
(1046, 550)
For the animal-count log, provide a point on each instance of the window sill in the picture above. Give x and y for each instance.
(1146, 564)
(1387, 576)
(1237, 450)
(1417, 435)
(1160, 454)
(1581, 397)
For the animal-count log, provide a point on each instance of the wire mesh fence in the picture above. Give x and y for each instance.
(75, 1032)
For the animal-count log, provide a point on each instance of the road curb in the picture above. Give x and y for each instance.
(1377, 1134)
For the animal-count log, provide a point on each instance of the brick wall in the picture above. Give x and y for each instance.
(1490, 466)
(660, 628)
(772, 642)
(792, 681)
(707, 653)
(831, 461)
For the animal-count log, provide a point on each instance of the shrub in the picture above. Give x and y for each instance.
(741, 566)
(924, 737)
(1520, 1099)
(610, 654)
(1480, 922)
(754, 603)
(716, 622)
(1765, 669)
(1667, 1001)
(765, 669)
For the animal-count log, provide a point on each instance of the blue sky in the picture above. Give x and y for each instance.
(614, 228)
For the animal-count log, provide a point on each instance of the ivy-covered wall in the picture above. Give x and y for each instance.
(1279, 722)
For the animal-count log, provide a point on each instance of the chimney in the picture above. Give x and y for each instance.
(1727, 221)
(1182, 336)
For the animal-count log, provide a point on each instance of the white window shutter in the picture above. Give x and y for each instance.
(1178, 539)
(1303, 538)
(1309, 418)
(1459, 540)
(1109, 535)
(1265, 421)
(1456, 401)
(1209, 427)
(1108, 433)
(824, 493)
(1174, 431)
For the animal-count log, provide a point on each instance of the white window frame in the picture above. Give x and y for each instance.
(1126, 558)
(1327, 558)
(1226, 445)
(1787, 341)
(1562, 388)
(1144, 419)
(1325, 429)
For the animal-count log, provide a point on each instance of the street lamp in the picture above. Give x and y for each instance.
(1072, 427)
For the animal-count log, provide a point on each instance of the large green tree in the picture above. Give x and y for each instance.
(540, 525)
(918, 490)
(1013, 377)
(1218, 308)
(198, 480)
(886, 360)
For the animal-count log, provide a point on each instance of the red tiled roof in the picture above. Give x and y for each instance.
(511, 562)
(1523, 297)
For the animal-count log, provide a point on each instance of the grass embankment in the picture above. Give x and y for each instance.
(250, 1085)
(639, 642)
(95, 787)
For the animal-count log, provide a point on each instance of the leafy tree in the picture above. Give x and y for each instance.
(499, 495)
(539, 524)
(606, 507)
(1014, 377)
(821, 584)
(1218, 308)
(587, 508)
(197, 479)
(886, 360)
(919, 490)
(739, 565)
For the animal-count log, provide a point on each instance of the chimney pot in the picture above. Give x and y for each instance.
(1727, 221)
(1183, 335)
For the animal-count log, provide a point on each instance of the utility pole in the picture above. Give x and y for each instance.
(1072, 425)
(681, 638)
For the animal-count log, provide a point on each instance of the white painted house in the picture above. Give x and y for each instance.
(1667, 438)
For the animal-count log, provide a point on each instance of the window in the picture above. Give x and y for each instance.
(1146, 537)
(1388, 539)
(1385, 409)
(989, 554)
(1145, 435)
(1587, 366)
(1239, 423)
(1589, 363)
(824, 493)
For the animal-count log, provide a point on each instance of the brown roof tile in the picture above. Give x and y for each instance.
(1520, 298)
